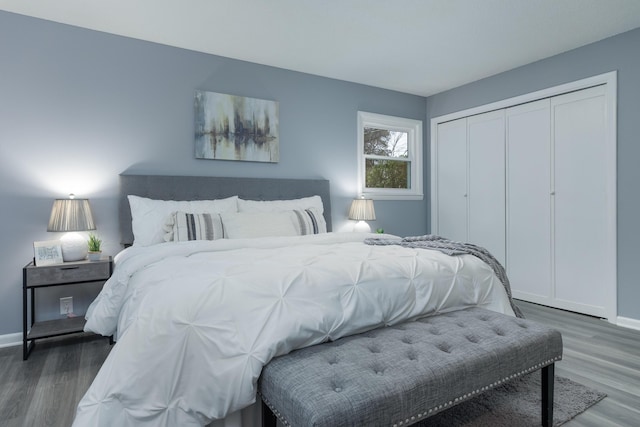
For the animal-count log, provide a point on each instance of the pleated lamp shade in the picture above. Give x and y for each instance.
(72, 215)
(362, 210)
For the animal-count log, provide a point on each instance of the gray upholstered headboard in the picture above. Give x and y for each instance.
(166, 187)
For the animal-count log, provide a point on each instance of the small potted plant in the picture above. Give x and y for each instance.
(94, 247)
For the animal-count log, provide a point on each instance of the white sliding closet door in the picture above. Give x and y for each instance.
(533, 180)
(582, 249)
(471, 181)
(486, 182)
(529, 245)
(451, 163)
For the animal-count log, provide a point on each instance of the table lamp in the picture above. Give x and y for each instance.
(362, 210)
(72, 215)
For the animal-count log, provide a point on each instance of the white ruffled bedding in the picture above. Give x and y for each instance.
(197, 321)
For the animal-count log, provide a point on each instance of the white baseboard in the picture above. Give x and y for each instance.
(627, 322)
(9, 340)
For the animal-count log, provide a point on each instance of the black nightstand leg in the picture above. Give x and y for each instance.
(25, 350)
(33, 306)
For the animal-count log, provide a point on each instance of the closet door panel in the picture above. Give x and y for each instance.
(452, 180)
(529, 251)
(578, 121)
(486, 138)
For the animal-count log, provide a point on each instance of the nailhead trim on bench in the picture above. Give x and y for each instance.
(467, 396)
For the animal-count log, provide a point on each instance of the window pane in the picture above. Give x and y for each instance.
(382, 142)
(387, 174)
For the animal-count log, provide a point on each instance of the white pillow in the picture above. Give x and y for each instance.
(259, 224)
(281, 205)
(149, 216)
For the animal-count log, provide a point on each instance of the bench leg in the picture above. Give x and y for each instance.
(547, 395)
(269, 419)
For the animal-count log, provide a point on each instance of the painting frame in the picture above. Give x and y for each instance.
(47, 252)
(237, 128)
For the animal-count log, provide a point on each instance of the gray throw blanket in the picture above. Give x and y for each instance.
(450, 247)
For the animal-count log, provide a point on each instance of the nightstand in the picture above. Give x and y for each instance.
(69, 273)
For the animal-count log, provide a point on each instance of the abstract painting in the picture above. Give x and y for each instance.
(229, 127)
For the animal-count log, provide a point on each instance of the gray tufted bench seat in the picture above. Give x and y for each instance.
(399, 375)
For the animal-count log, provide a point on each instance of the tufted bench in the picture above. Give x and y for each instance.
(399, 375)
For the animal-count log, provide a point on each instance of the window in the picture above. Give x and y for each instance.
(389, 157)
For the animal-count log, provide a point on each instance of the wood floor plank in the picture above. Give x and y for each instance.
(45, 389)
(610, 409)
(600, 355)
(613, 355)
(53, 403)
(19, 386)
(592, 418)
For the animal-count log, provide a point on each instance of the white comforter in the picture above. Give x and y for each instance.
(197, 321)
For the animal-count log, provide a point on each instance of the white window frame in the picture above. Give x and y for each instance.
(413, 128)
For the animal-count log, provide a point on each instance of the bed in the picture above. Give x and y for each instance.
(196, 320)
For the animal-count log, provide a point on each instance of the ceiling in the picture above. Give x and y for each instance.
(416, 46)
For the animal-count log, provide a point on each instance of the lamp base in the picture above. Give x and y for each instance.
(74, 247)
(362, 227)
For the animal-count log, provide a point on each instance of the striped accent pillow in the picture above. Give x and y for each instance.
(310, 221)
(184, 226)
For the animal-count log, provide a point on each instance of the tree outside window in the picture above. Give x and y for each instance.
(387, 162)
(390, 159)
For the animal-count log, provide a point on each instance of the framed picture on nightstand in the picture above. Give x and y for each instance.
(47, 252)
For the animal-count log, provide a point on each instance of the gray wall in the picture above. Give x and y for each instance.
(620, 53)
(79, 107)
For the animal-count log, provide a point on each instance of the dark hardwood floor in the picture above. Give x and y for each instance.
(44, 390)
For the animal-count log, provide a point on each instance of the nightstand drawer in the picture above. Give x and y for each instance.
(68, 272)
